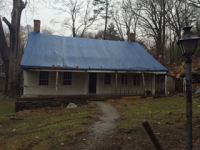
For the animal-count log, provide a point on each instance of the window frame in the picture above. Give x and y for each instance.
(67, 78)
(136, 79)
(107, 78)
(43, 78)
(122, 79)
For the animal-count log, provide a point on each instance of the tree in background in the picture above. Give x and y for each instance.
(4, 5)
(152, 21)
(71, 7)
(126, 16)
(24, 32)
(112, 33)
(47, 30)
(160, 21)
(176, 17)
(102, 8)
(80, 12)
(195, 3)
(11, 54)
(99, 35)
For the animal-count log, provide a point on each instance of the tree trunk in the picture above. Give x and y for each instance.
(163, 28)
(106, 21)
(13, 83)
(4, 51)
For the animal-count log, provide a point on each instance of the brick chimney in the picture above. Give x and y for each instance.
(131, 37)
(36, 25)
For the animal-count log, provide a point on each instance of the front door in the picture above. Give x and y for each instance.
(92, 82)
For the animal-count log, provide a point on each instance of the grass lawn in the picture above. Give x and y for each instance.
(167, 118)
(42, 129)
(56, 128)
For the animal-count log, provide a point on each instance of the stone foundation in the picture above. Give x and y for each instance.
(27, 105)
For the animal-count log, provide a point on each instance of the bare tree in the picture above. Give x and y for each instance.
(4, 6)
(131, 13)
(102, 7)
(24, 32)
(80, 12)
(10, 54)
(152, 21)
(195, 3)
(47, 30)
(118, 20)
(4, 50)
(126, 17)
(178, 15)
(12, 51)
(88, 19)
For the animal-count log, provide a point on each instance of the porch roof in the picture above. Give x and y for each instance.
(69, 53)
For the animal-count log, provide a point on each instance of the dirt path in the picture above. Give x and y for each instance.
(100, 131)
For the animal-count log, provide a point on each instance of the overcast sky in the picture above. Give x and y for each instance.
(41, 12)
(45, 15)
(37, 9)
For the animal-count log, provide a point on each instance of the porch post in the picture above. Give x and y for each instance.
(24, 86)
(153, 84)
(116, 84)
(128, 83)
(165, 85)
(88, 82)
(144, 86)
(56, 83)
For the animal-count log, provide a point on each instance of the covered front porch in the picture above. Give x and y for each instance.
(66, 83)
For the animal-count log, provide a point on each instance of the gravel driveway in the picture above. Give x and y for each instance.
(101, 130)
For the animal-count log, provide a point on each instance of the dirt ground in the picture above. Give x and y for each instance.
(101, 130)
(102, 137)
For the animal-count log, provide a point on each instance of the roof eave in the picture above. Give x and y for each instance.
(59, 69)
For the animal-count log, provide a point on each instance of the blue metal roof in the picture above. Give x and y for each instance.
(51, 51)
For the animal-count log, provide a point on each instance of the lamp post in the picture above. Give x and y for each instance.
(187, 45)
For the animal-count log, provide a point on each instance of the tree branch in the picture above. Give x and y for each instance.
(8, 24)
(23, 5)
(194, 3)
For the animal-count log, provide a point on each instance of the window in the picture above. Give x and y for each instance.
(44, 78)
(107, 79)
(136, 79)
(124, 79)
(67, 78)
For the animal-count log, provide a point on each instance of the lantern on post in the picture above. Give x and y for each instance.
(187, 45)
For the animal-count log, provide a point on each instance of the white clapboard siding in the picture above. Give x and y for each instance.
(32, 87)
(78, 86)
(128, 89)
(105, 89)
